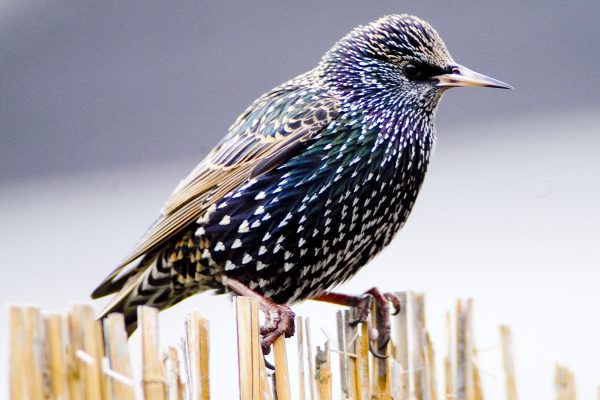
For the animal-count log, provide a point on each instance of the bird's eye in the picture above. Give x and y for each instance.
(412, 70)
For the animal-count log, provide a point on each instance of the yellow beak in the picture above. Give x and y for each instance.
(463, 77)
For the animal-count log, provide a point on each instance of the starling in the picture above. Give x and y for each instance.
(310, 183)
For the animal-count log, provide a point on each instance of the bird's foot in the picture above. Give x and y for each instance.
(279, 321)
(380, 337)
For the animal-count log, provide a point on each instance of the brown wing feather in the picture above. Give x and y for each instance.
(270, 132)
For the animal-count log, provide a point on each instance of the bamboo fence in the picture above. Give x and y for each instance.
(73, 356)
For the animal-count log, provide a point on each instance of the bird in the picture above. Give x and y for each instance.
(310, 183)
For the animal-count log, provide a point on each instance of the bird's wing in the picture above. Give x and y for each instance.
(275, 128)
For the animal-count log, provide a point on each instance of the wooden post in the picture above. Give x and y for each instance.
(464, 350)
(449, 364)
(508, 363)
(419, 348)
(381, 383)
(115, 337)
(401, 344)
(343, 357)
(153, 376)
(323, 372)
(197, 345)
(17, 344)
(55, 356)
(309, 359)
(249, 354)
(363, 379)
(282, 376)
(300, 343)
(564, 384)
(432, 373)
(87, 349)
(352, 338)
(175, 386)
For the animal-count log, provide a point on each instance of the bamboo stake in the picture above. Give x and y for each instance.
(153, 378)
(352, 339)
(175, 386)
(401, 353)
(364, 383)
(300, 343)
(197, 345)
(55, 354)
(323, 372)
(85, 338)
(419, 348)
(564, 383)
(464, 350)
(248, 351)
(381, 382)
(449, 366)
(115, 337)
(309, 359)
(432, 375)
(343, 355)
(282, 381)
(508, 363)
(18, 389)
(33, 352)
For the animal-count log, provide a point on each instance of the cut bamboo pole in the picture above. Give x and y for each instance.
(419, 348)
(508, 363)
(323, 373)
(55, 356)
(310, 360)
(301, 369)
(115, 337)
(88, 351)
(343, 357)
(564, 383)
(401, 343)
(381, 389)
(431, 368)
(197, 345)
(363, 379)
(175, 386)
(464, 350)
(352, 339)
(34, 352)
(449, 358)
(153, 376)
(18, 344)
(248, 348)
(282, 375)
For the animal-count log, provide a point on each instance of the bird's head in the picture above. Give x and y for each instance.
(397, 60)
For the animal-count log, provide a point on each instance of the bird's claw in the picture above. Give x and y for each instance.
(279, 321)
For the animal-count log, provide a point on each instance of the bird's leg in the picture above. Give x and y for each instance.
(363, 306)
(279, 318)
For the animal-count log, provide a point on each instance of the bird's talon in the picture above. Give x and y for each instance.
(375, 353)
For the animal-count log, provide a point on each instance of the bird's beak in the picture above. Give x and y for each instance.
(463, 77)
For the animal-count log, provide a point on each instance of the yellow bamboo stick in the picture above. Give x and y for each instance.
(508, 363)
(115, 337)
(301, 369)
(282, 376)
(18, 389)
(85, 340)
(323, 373)
(153, 376)
(401, 350)
(55, 355)
(248, 352)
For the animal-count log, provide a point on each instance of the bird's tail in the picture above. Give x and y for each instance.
(151, 285)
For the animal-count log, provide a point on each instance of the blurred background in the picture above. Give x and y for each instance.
(105, 106)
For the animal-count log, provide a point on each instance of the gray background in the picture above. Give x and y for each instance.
(84, 85)
(105, 106)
